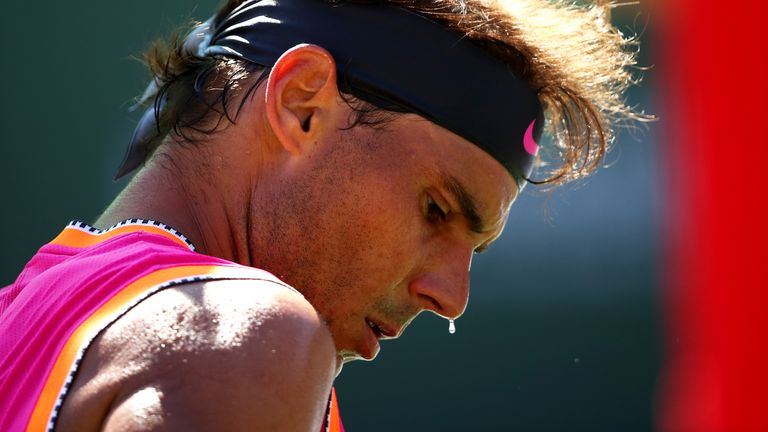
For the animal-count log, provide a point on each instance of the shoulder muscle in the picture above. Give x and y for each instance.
(222, 355)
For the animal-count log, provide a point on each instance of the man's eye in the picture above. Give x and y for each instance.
(434, 212)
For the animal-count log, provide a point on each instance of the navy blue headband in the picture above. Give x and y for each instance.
(396, 60)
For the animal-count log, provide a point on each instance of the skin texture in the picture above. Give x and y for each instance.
(368, 224)
(214, 356)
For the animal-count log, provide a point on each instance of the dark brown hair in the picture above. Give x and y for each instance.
(579, 64)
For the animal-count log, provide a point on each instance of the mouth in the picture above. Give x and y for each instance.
(382, 331)
(376, 331)
(374, 328)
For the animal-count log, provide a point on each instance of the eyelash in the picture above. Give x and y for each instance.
(433, 212)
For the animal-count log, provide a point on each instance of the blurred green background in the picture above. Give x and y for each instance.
(562, 331)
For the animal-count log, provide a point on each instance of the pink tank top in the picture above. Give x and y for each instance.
(72, 289)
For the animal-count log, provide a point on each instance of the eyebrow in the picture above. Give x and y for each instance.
(467, 204)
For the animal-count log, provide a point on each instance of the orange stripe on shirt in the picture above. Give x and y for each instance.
(74, 237)
(334, 423)
(104, 316)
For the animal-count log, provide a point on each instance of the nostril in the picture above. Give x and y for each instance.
(431, 303)
(443, 293)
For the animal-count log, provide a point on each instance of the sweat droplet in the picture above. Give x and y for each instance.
(451, 327)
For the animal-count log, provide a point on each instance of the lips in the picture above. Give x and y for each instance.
(376, 331)
(381, 330)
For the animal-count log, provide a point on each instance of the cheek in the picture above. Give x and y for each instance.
(367, 250)
(368, 243)
(361, 224)
(383, 229)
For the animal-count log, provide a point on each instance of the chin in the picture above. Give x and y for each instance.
(349, 356)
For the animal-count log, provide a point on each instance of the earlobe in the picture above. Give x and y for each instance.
(301, 95)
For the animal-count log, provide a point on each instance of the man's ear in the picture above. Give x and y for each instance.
(301, 95)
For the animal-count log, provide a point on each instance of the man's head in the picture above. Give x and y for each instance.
(373, 225)
(373, 215)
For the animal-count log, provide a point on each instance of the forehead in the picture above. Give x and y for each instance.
(451, 162)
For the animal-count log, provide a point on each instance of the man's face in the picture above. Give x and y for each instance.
(374, 225)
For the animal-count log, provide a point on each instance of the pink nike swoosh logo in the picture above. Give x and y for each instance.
(528, 142)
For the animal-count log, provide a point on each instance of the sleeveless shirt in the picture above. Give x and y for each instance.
(75, 287)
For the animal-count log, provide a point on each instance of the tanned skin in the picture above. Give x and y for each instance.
(369, 225)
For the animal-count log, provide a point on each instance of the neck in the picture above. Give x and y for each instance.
(178, 191)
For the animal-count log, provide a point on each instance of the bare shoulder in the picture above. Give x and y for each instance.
(220, 355)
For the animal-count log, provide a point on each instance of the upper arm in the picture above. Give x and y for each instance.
(224, 355)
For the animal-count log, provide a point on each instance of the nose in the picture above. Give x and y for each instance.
(443, 285)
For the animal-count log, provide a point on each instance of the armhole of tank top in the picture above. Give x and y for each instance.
(66, 366)
(332, 418)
